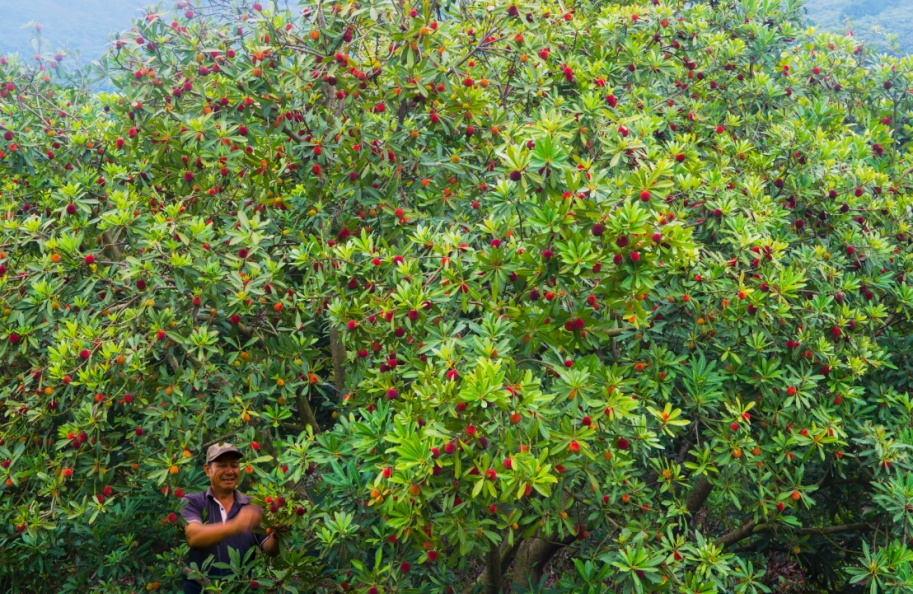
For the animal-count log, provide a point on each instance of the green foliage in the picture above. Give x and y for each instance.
(468, 288)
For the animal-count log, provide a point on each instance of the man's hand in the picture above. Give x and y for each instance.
(247, 519)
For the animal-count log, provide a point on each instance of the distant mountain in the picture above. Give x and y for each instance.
(85, 25)
(873, 21)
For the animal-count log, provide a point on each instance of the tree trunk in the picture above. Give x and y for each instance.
(506, 554)
(532, 557)
(493, 571)
(338, 352)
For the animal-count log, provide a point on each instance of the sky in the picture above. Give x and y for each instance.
(82, 24)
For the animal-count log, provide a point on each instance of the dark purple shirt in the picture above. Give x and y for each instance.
(204, 508)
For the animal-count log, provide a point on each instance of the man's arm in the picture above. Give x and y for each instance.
(201, 535)
(205, 535)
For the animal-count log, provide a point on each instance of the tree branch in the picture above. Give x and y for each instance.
(736, 535)
(698, 495)
(752, 528)
(305, 413)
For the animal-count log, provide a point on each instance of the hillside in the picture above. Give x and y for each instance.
(871, 20)
(80, 25)
(86, 24)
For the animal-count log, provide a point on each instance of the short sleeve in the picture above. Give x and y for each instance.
(260, 538)
(193, 509)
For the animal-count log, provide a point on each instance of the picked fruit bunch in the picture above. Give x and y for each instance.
(279, 514)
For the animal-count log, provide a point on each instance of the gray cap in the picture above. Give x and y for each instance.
(217, 449)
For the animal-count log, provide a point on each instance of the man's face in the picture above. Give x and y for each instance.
(224, 472)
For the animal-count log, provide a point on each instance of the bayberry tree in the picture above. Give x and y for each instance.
(616, 289)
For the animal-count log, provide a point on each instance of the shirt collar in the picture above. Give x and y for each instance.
(239, 497)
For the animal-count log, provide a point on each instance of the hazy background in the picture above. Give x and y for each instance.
(66, 24)
(87, 24)
(869, 19)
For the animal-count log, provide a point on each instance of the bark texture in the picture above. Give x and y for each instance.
(338, 352)
(305, 413)
(698, 495)
(752, 528)
(532, 557)
(506, 554)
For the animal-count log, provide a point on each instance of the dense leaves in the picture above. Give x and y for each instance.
(470, 285)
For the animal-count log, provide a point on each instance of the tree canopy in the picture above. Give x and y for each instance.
(479, 289)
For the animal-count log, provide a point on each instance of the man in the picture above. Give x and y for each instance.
(222, 517)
